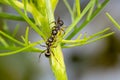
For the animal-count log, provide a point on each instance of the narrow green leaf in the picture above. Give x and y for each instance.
(11, 16)
(11, 38)
(70, 28)
(3, 42)
(25, 6)
(113, 21)
(98, 33)
(15, 30)
(19, 50)
(91, 10)
(73, 33)
(78, 7)
(23, 38)
(87, 41)
(86, 38)
(69, 9)
(12, 48)
(101, 37)
(79, 36)
(26, 36)
(27, 19)
(74, 41)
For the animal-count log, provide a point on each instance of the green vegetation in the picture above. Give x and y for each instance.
(42, 12)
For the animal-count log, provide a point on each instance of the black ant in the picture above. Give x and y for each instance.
(51, 39)
(58, 24)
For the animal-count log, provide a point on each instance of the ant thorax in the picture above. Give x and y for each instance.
(54, 32)
(50, 40)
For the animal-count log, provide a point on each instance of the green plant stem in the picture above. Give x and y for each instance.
(49, 12)
(12, 39)
(57, 64)
(3, 42)
(12, 48)
(56, 59)
(69, 9)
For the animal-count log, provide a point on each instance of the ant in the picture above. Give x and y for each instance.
(50, 41)
(58, 24)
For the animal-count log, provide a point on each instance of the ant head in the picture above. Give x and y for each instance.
(60, 22)
(47, 54)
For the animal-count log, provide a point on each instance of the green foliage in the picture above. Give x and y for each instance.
(42, 12)
(113, 21)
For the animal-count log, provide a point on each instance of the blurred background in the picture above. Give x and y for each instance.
(96, 61)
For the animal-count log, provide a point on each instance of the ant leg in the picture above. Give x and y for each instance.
(53, 22)
(60, 32)
(63, 30)
(58, 19)
(52, 44)
(53, 27)
(42, 51)
(42, 45)
(40, 54)
(64, 27)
